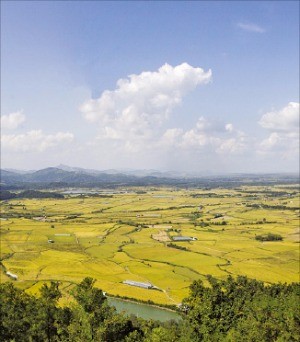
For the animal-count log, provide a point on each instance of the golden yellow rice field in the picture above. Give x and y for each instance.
(127, 236)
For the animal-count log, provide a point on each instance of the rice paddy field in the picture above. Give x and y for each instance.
(128, 235)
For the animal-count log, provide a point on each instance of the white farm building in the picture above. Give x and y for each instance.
(138, 284)
(183, 238)
(11, 275)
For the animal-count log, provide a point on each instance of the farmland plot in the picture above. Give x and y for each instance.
(129, 235)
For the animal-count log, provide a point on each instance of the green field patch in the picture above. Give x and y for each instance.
(288, 255)
(164, 276)
(202, 264)
(121, 257)
(143, 236)
(246, 254)
(118, 235)
(60, 263)
(21, 267)
(105, 268)
(16, 236)
(103, 251)
(278, 247)
(204, 249)
(86, 234)
(257, 268)
(62, 238)
(227, 244)
(5, 248)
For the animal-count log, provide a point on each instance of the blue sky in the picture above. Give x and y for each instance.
(216, 85)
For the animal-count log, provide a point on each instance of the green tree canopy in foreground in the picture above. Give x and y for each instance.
(238, 309)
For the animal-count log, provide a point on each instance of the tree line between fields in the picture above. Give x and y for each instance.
(238, 309)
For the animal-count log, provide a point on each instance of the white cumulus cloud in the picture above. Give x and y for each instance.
(216, 136)
(283, 126)
(171, 136)
(142, 103)
(12, 120)
(286, 119)
(34, 140)
(135, 120)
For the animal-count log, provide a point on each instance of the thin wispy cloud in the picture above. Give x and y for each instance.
(251, 27)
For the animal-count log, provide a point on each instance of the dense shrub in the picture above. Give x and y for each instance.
(238, 309)
(269, 237)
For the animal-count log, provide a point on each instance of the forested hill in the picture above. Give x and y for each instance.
(58, 178)
(231, 310)
(7, 195)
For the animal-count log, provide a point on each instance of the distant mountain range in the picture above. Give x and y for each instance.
(55, 174)
(66, 176)
(137, 173)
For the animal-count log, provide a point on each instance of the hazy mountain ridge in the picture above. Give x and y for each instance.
(133, 172)
(58, 177)
(55, 177)
(53, 174)
(129, 172)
